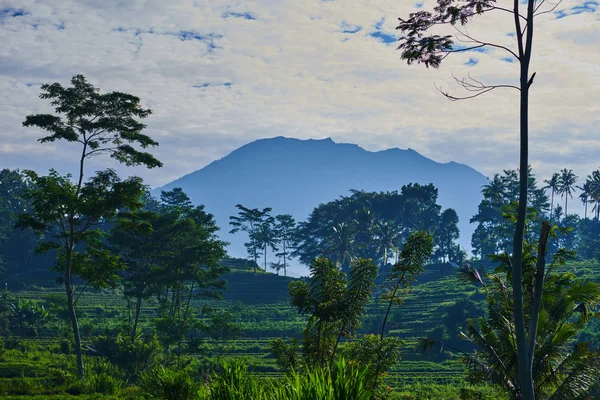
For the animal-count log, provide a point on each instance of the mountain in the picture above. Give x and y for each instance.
(294, 176)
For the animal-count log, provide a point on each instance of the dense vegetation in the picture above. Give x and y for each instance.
(149, 306)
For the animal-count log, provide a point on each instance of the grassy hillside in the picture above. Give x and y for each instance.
(258, 305)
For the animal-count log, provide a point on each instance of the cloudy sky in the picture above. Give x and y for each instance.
(219, 74)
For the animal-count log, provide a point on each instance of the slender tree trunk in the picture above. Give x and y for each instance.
(138, 308)
(552, 205)
(566, 202)
(265, 257)
(385, 256)
(524, 367)
(585, 212)
(72, 312)
(284, 263)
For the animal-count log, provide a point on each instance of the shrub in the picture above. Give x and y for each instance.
(167, 384)
(234, 382)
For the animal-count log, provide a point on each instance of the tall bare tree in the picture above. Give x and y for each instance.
(418, 44)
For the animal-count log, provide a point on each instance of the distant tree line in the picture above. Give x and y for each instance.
(363, 225)
(493, 234)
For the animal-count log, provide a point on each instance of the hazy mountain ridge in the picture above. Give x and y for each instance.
(294, 176)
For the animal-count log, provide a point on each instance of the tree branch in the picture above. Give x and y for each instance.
(475, 86)
(483, 44)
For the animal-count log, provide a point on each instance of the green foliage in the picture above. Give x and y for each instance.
(252, 221)
(233, 382)
(132, 357)
(369, 225)
(562, 367)
(377, 356)
(286, 355)
(497, 213)
(168, 384)
(102, 377)
(334, 304)
(103, 123)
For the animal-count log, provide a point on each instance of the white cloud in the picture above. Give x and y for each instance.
(290, 70)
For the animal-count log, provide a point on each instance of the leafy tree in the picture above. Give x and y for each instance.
(285, 231)
(416, 252)
(554, 185)
(13, 187)
(566, 185)
(249, 221)
(189, 266)
(366, 224)
(419, 45)
(446, 234)
(142, 240)
(67, 213)
(334, 303)
(267, 235)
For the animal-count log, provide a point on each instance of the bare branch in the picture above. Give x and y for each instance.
(472, 85)
(482, 44)
(546, 11)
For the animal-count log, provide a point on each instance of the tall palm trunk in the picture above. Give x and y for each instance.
(552, 204)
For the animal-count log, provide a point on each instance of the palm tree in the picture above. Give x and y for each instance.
(553, 184)
(387, 235)
(584, 196)
(566, 185)
(268, 236)
(594, 182)
(562, 368)
(341, 245)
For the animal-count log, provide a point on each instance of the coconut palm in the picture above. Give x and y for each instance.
(585, 195)
(553, 185)
(566, 184)
(594, 182)
(387, 234)
(267, 235)
(340, 246)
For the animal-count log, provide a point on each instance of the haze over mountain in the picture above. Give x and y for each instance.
(294, 176)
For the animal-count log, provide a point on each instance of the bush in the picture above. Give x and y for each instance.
(233, 382)
(167, 384)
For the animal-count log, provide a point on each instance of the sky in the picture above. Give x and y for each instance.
(219, 74)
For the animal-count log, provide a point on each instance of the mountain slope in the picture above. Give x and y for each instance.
(294, 176)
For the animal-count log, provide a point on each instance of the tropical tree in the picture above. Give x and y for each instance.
(267, 235)
(418, 44)
(67, 212)
(190, 266)
(249, 220)
(387, 235)
(554, 185)
(594, 181)
(566, 185)
(563, 368)
(446, 234)
(285, 227)
(415, 253)
(341, 246)
(585, 196)
(334, 302)
(16, 247)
